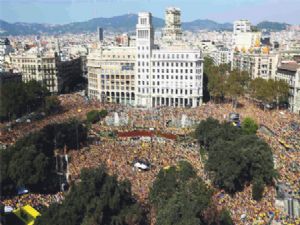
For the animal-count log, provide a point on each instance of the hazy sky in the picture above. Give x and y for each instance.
(65, 11)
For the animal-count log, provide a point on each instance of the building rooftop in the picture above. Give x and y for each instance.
(290, 66)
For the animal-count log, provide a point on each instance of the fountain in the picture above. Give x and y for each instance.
(183, 120)
(116, 119)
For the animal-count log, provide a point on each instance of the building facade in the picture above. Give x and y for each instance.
(257, 64)
(5, 49)
(39, 67)
(222, 55)
(111, 74)
(172, 30)
(166, 76)
(290, 72)
(241, 26)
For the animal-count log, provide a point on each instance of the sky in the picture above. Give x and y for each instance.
(66, 11)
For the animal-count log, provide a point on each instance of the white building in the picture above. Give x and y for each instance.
(222, 55)
(111, 74)
(290, 72)
(5, 49)
(39, 67)
(256, 63)
(241, 26)
(167, 76)
(172, 30)
(243, 37)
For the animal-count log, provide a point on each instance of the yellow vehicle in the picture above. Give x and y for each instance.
(27, 214)
(287, 146)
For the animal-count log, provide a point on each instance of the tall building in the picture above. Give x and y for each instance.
(147, 75)
(243, 37)
(166, 76)
(172, 30)
(144, 47)
(100, 34)
(111, 74)
(290, 72)
(241, 26)
(5, 49)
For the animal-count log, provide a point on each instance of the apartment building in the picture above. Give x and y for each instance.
(221, 55)
(289, 71)
(5, 49)
(241, 26)
(39, 67)
(111, 74)
(259, 63)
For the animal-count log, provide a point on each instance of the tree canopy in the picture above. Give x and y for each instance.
(181, 197)
(222, 82)
(249, 126)
(17, 99)
(234, 157)
(97, 199)
(30, 161)
(269, 91)
(94, 116)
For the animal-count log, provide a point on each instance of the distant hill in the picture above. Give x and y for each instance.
(272, 26)
(123, 23)
(206, 25)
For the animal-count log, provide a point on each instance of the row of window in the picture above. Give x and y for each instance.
(169, 76)
(172, 56)
(117, 76)
(167, 71)
(117, 82)
(165, 91)
(116, 88)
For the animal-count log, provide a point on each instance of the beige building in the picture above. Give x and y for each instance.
(39, 67)
(111, 74)
(290, 72)
(257, 64)
(172, 30)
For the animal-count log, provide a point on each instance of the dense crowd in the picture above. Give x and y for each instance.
(119, 153)
(38, 201)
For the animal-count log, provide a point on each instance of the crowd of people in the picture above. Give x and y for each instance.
(38, 201)
(118, 153)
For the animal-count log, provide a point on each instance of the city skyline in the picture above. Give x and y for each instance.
(67, 11)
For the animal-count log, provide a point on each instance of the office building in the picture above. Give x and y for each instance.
(100, 34)
(166, 76)
(111, 74)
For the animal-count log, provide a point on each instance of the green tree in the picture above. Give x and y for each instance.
(52, 104)
(236, 85)
(103, 113)
(258, 189)
(93, 116)
(249, 126)
(17, 99)
(98, 199)
(179, 196)
(234, 157)
(225, 218)
(30, 161)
